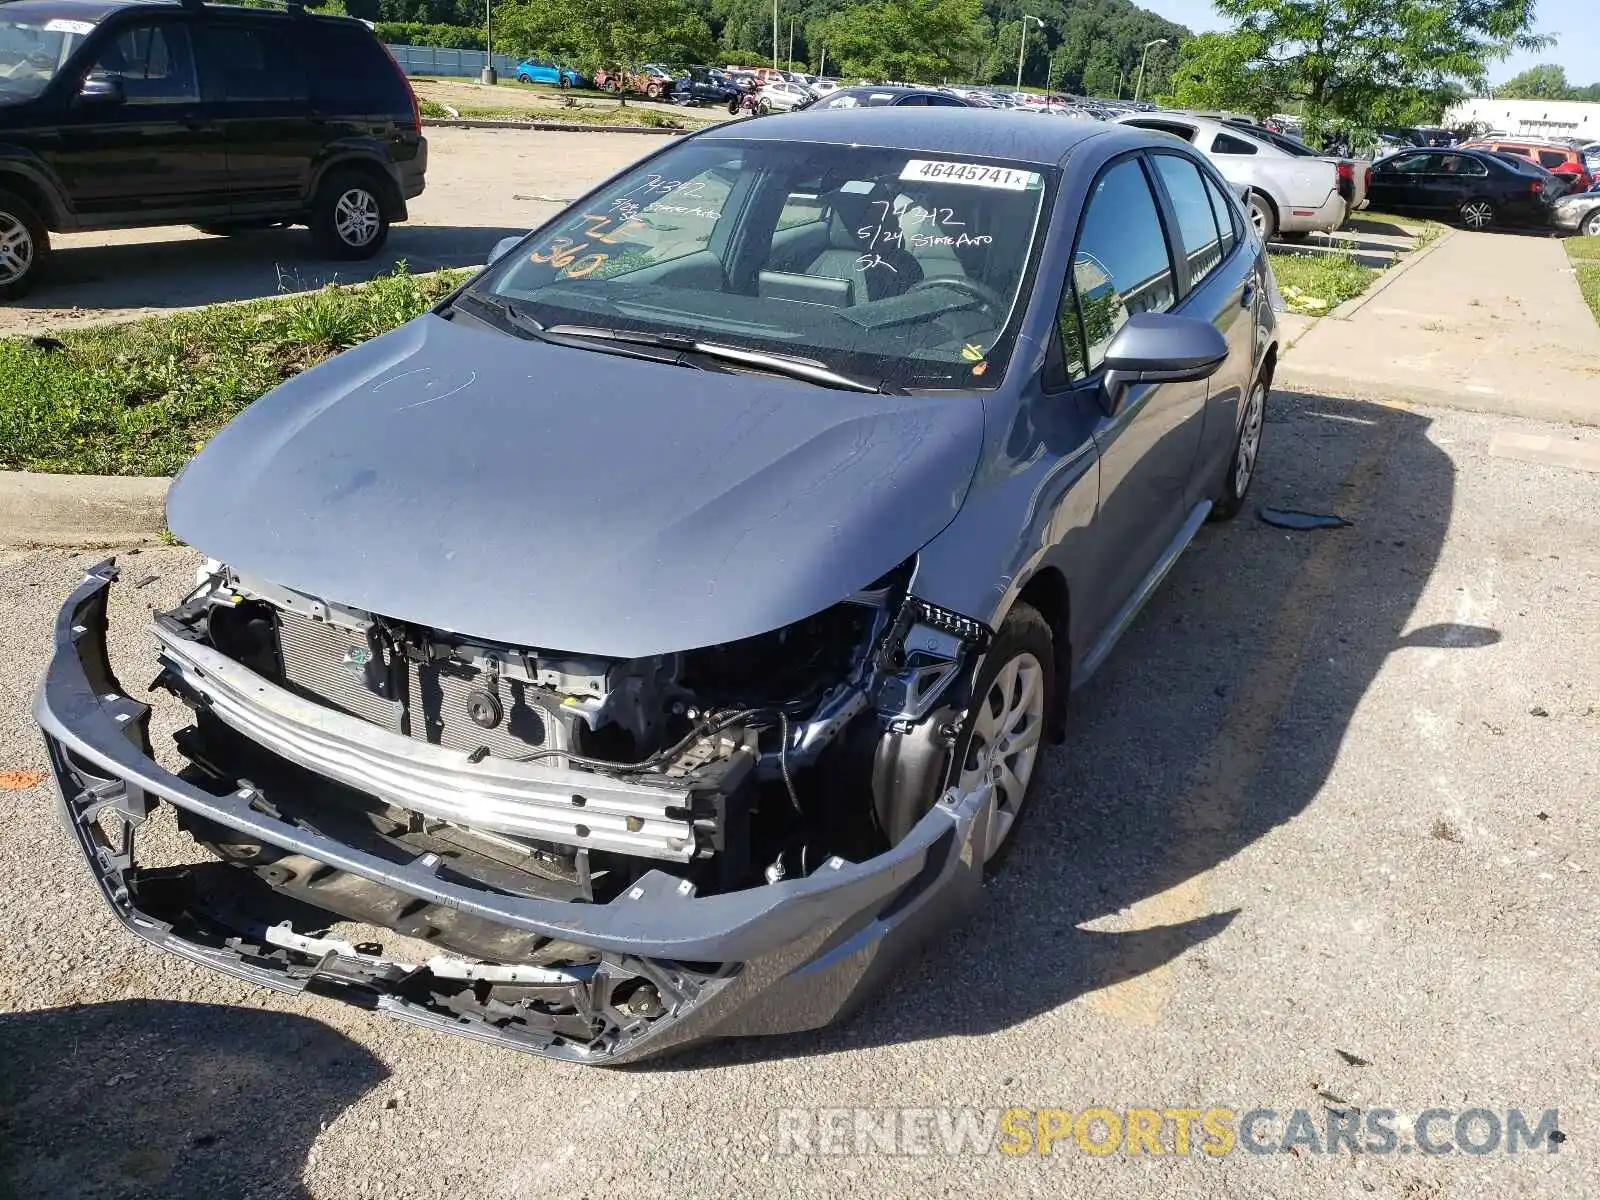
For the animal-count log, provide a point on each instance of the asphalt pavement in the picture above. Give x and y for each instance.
(1322, 838)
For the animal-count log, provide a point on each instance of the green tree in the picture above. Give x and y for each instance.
(918, 40)
(1371, 62)
(1227, 71)
(604, 33)
(1544, 82)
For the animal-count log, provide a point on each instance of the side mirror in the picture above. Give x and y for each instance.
(501, 248)
(1160, 348)
(101, 88)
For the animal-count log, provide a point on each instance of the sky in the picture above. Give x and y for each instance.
(1575, 24)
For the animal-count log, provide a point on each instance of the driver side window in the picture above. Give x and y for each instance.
(153, 62)
(1120, 266)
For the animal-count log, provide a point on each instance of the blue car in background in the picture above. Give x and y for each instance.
(533, 71)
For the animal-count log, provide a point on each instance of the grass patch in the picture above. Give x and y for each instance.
(139, 399)
(1316, 284)
(1585, 255)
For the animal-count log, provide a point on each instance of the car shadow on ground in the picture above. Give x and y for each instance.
(138, 1098)
(1216, 720)
(181, 273)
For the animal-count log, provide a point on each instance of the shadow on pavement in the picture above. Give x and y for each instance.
(88, 1105)
(1215, 721)
(179, 273)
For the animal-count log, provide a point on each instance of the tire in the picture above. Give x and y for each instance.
(763, 108)
(1591, 224)
(652, 91)
(564, 82)
(733, 107)
(1240, 471)
(24, 246)
(524, 78)
(1477, 214)
(1023, 700)
(348, 218)
(1263, 216)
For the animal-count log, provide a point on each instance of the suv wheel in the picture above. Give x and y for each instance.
(1477, 214)
(24, 246)
(348, 218)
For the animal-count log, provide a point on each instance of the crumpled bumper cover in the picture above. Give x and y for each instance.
(788, 956)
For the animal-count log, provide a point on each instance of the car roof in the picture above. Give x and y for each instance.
(984, 132)
(98, 10)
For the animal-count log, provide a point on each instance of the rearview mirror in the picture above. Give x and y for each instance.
(1160, 348)
(100, 88)
(501, 248)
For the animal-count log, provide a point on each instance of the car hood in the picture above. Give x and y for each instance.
(456, 477)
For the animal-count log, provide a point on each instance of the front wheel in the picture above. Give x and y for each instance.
(347, 219)
(1591, 224)
(564, 82)
(1477, 214)
(1241, 469)
(1003, 732)
(24, 246)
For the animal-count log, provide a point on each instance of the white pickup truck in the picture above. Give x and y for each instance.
(1289, 194)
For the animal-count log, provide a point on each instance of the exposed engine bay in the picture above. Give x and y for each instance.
(537, 773)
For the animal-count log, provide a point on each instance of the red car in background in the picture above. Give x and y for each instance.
(1555, 157)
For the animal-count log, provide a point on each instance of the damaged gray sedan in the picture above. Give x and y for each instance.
(657, 640)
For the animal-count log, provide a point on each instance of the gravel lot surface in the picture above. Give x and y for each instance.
(483, 184)
(1322, 836)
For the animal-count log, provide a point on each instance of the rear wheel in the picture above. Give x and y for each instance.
(1241, 469)
(524, 78)
(347, 219)
(565, 81)
(24, 246)
(1477, 214)
(1263, 216)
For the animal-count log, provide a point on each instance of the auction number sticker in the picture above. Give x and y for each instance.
(970, 174)
(59, 25)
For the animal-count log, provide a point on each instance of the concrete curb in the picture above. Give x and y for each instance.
(549, 126)
(1532, 405)
(1350, 307)
(79, 510)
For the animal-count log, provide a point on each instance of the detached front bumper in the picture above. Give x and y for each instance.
(781, 958)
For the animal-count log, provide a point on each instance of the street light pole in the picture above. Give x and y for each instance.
(1022, 43)
(1139, 87)
(774, 35)
(791, 45)
(488, 75)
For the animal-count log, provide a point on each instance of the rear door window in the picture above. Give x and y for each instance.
(1197, 225)
(1552, 159)
(1226, 143)
(351, 72)
(254, 62)
(1227, 218)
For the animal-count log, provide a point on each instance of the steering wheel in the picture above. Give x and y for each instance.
(987, 296)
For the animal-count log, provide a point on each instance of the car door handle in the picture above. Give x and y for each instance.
(1248, 295)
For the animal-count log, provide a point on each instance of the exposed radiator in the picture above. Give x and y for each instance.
(336, 665)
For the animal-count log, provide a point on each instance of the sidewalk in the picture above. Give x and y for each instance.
(1491, 322)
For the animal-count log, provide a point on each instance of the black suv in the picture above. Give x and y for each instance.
(119, 113)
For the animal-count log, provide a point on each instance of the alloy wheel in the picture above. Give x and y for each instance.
(1591, 227)
(1005, 744)
(1259, 220)
(1244, 464)
(356, 217)
(16, 248)
(1477, 214)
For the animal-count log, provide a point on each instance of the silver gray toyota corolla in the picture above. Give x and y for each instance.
(661, 635)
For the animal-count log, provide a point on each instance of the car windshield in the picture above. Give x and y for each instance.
(33, 51)
(903, 268)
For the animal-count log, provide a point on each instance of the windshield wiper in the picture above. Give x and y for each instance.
(778, 364)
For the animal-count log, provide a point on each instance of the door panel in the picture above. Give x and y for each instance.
(157, 151)
(270, 134)
(1147, 446)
